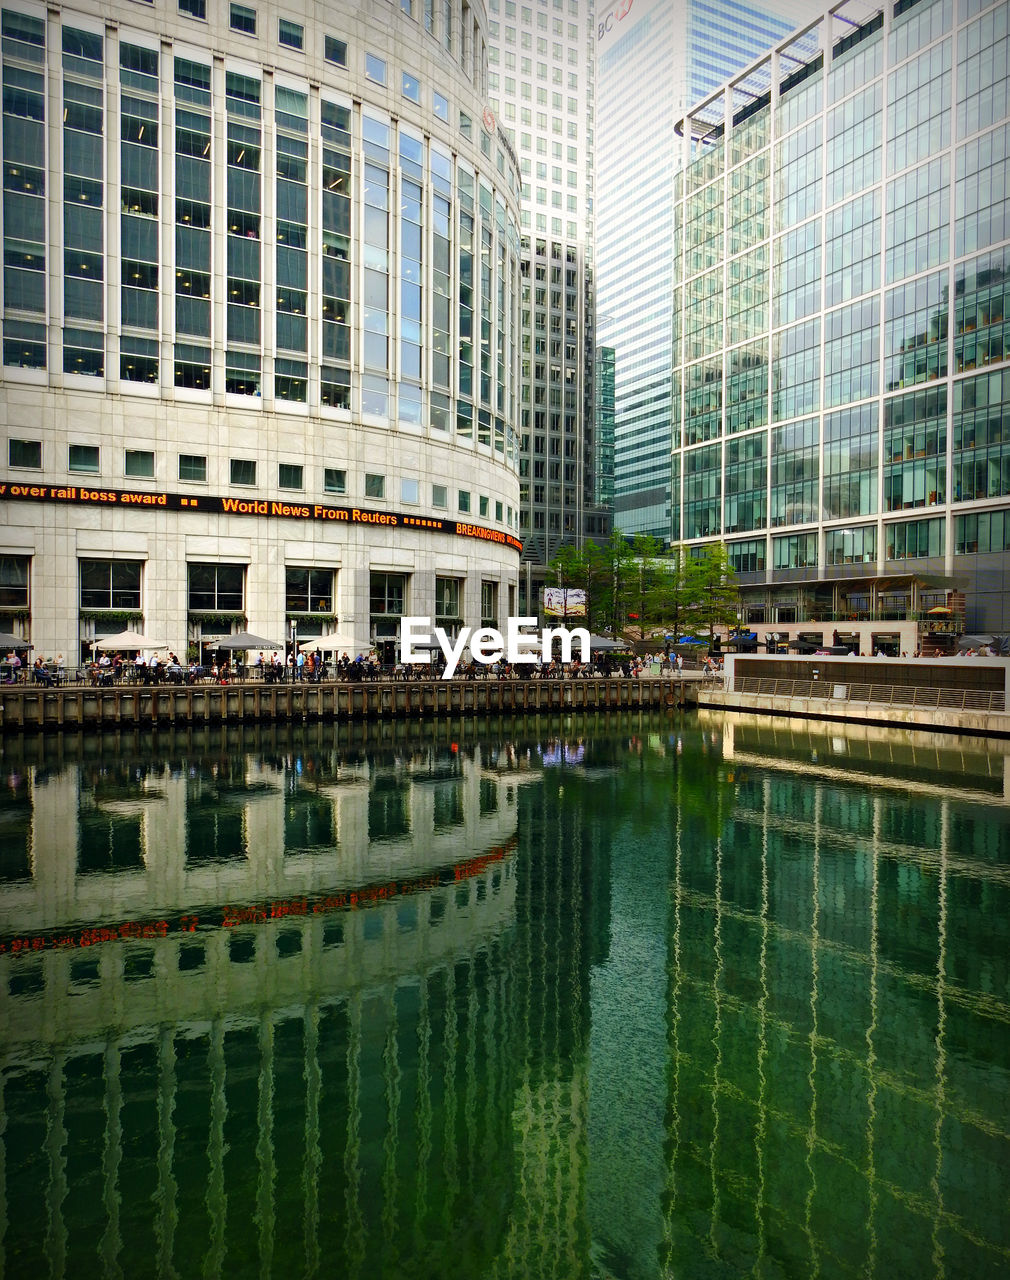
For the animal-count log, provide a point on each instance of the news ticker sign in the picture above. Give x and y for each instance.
(259, 508)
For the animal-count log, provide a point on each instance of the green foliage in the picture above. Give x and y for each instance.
(711, 595)
(637, 585)
(113, 617)
(214, 622)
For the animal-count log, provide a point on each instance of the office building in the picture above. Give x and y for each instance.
(260, 322)
(603, 488)
(653, 61)
(841, 388)
(541, 86)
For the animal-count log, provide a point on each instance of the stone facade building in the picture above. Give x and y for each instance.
(260, 322)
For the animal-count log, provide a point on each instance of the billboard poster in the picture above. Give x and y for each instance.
(564, 602)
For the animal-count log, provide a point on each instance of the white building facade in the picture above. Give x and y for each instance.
(260, 323)
(541, 82)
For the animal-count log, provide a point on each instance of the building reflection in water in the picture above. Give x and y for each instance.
(522, 999)
(838, 981)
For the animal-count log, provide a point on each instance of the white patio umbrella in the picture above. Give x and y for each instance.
(129, 640)
(8, 640)
(243, 640)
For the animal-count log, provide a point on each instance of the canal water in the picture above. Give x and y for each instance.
(612, 998)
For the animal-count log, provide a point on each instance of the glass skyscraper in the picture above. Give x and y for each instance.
(653, 61)
(840, 387)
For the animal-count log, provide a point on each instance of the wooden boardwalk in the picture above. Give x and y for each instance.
(26, 708)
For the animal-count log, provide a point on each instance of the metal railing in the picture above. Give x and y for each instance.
(889, 694)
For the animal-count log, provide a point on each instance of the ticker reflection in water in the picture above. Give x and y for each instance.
(631, 998)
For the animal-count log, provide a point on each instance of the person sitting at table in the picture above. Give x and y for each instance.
(140, 668)
(40, 674)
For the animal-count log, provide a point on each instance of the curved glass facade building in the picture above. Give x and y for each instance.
(260, 315)
(840, 386)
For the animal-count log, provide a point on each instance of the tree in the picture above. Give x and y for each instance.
(711, 595)
(645, 584)
(584, 569)
(672, 601)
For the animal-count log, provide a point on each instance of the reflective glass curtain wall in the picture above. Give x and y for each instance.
(885, 221)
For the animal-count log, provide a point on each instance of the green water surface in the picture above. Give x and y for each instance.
(632, 997)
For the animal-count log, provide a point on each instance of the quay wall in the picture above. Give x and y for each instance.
(29, 709)
(981, 724)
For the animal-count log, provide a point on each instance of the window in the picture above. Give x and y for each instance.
(243, 471)
(138, 359)
(916, 538)
(464, 500)
(484, 505)
(24, 343)
(291, 34)
(387, 592)
(192, 467)
(308, 590)
(747, 557)
(411, 87)
(334, 480)
(195, 8)
(489, 604)
(216, 588)
(336, 51)
(335, 387)
(375, 68)
(440, 106)
(14, 582)
(83, 457)
(439, 496)
(139, 464)
(24, 453)
(409, 490)
(243, 19)
(375, 486)
(290, 380)
(241, 373)
(795, 551)
(851, 546)
(290, 476)
(447, 595)
(192, 367)
(83, 352)
(110, 584)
